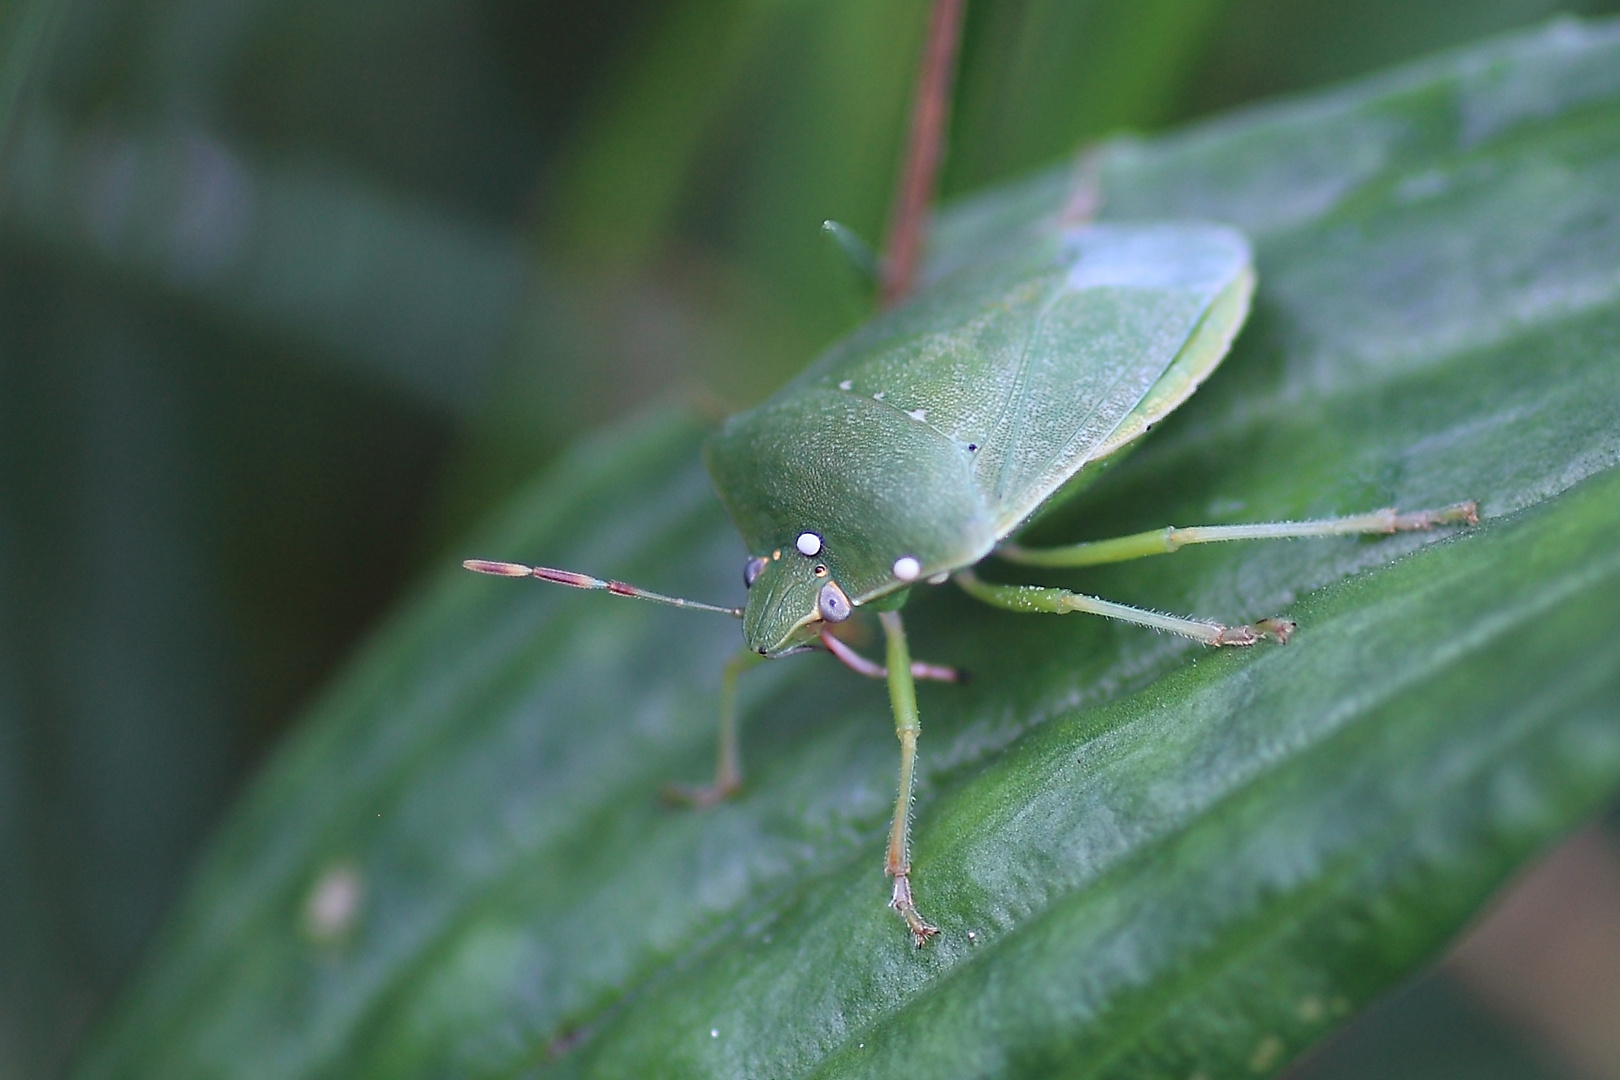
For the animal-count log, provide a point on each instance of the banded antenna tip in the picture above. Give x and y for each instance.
(499, 569)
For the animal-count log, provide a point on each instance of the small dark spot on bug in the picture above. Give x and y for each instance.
(972, 446)
(821, 571)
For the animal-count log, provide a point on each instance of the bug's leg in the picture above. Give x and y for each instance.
(903, 696)
(728, 764)
(862, 666)
(1051, 601)
(1164, 541)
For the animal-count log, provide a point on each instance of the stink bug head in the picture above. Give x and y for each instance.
(783, 612)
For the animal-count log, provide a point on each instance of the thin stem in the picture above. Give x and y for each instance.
(930, 111)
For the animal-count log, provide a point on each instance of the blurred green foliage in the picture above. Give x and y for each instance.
(291, 292)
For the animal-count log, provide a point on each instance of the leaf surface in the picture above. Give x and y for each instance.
(1147, 859)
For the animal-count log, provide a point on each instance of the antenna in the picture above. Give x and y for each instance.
(585, 581)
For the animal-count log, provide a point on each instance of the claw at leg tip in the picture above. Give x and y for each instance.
(1278, 630)
(921, 929)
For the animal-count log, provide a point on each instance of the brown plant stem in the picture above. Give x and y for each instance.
(930, 111)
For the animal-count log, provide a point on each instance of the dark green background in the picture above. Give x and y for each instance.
(290, 293)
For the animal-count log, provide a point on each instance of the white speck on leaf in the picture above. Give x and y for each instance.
(334, 902)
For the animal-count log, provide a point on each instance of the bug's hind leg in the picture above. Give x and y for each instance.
(907, 726)
(1051, 601)
(1164, 541)
(728, 763)
(1031, 598)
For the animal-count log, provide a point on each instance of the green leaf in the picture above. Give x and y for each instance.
(1147, 859)
(1042, 76)
(25, 33)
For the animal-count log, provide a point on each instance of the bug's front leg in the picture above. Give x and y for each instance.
(907, 726)
(728, 762)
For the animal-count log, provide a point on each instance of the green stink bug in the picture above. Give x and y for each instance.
(924, 442)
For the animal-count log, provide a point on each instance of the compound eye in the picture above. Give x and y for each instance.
(832, 603)
(751, 570)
